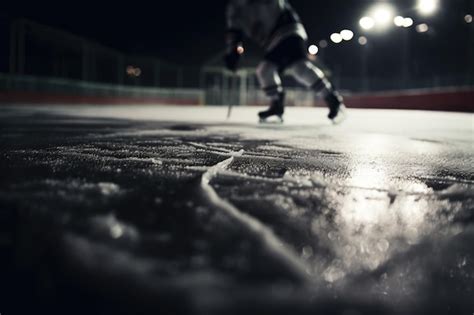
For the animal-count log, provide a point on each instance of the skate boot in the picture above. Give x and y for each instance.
(337, 109)
(277, 108)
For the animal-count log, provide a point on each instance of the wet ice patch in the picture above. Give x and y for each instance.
(358, 226)
(368, 229)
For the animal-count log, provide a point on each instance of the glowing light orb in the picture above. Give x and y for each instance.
(347, 34)
(422, 28)
(428, 7)
(399, 21)
(313, 50)
(336, 38)
(367, 23)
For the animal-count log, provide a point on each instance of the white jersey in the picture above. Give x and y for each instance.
(267, 22)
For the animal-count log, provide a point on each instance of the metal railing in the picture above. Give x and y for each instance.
(55, 86)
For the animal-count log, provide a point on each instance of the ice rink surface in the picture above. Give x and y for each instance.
(177, 210)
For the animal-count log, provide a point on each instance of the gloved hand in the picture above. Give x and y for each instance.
(232, 59)
(235, 48)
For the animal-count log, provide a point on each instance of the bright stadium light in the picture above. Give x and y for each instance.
(313, 50)
(407, 22)
(336, 38)
(427, 7)
(380, 16)
(422, 28)
(399, 21)
(347, 35)
(468, 18)
(383, 14)
(367, 23)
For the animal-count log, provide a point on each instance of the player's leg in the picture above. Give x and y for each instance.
(289, 50)
(270, 81)
(312, 77)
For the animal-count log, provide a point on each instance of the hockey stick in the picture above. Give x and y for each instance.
(230, 102)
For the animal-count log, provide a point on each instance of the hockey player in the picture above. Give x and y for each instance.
(277, 28)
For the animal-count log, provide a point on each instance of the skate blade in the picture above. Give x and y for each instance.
(341, 116)
(270, 121)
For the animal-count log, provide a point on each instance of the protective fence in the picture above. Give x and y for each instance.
(224, 87)
(41, 50)
(454, 93)
(36, 90)
(30, 89)
(47, 64)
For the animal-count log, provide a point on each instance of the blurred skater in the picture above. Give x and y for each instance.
(277, 28)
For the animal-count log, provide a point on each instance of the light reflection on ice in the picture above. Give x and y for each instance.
(368, 176)
(373, 222)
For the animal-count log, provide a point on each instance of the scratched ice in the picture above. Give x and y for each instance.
(198, 215)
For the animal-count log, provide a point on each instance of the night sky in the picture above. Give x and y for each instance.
(190, 32)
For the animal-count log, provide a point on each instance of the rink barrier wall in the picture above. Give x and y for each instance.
(450, 99)
(35, 90)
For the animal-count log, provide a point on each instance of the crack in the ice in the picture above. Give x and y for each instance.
(275, 247)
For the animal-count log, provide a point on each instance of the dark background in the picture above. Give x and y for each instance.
(190, 32)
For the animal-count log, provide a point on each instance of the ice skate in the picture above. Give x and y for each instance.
(337, 109)
(276, 109)
(265, 115)
(338, 114)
